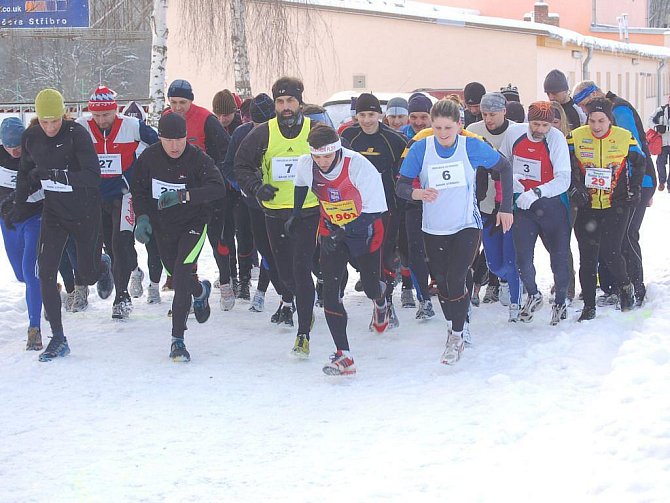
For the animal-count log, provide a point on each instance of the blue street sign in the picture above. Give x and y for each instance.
(36, 14)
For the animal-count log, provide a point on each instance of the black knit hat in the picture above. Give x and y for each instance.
(367, 102)
(555, 82)
(600, 105)
(172, 126)
(473, 93)
(419, 103)
(262, 108)
(511, 93)
(515, 112)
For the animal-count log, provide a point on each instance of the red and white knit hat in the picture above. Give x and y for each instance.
(103, 98)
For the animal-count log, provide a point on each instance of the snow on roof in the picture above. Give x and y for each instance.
(468, 17)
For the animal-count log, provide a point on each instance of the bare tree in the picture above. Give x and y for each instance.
(159, 36)
(216, 32)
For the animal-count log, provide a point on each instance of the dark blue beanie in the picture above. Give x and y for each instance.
(180, 89)
(11, 130)
(262, 108)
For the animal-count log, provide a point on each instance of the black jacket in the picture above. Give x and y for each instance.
(72, 150)
(384, 150)
(193, 168)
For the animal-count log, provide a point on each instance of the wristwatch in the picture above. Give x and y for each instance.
(537, 192)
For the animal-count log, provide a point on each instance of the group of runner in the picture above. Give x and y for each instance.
(443, 198)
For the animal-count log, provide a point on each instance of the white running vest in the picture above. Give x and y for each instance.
(455, 208)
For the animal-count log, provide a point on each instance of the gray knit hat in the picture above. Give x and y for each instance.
(493, 102)
(555, 82)
(397, 106)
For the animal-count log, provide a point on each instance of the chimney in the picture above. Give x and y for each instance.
(541, 12)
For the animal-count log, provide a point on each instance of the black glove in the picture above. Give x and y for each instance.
(291, 225)
(38, 174)
(329, 243)
(661, 128)
(579, 195)
(634, 197)
(266, 192)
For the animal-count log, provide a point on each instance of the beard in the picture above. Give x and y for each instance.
(288, 120)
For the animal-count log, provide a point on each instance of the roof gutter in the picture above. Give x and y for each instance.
(586, 73)
(659, 82)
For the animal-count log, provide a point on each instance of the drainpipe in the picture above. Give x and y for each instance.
(659, 83)
(586, 74)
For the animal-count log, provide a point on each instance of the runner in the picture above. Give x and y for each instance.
(205, 131)
(419, 115)
(473, 93)
(265, 166)
(660, 122)
(224, 107)
(262, 109)
(557, 89)
(498, 246)
(116, 139)
(607, 171)
(59, 153)
(626, 116)
(174, 183)
(21, 224)
(383, 147)
(351, 193)
(445, 165)
(397, 113)
(541, 164)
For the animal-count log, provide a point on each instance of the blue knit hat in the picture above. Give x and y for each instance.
(262, 108)
(11, 130)
(180, 89)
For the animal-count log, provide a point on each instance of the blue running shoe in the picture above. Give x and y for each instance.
(201, 304)
(178, 351)
(57, 347)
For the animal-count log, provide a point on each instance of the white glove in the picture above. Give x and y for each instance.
(525, 200)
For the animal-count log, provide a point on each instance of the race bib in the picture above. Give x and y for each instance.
(283, 168)
(159, 187)
(110, 164)
(52, 186)
(340, 212)
(36, 196)
(529, 169)
(7, 178)
(127, 213)
(448, 175)
(598, 178)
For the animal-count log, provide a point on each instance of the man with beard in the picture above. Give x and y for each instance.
(540, 161)
(265, 166)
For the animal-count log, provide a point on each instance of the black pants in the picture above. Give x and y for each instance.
(154, 263)
(549, 218)
(293, 257)
(449, 260)
(661, 162)
(631, 250)
(179, 252)
(244, 236)
(220, 249)
(262, 242)
(85, 232)
(333, 267)
(120, 246)
(403, 248)
(417, 251)
(600, 233)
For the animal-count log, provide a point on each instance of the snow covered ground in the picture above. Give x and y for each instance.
(580, 412)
